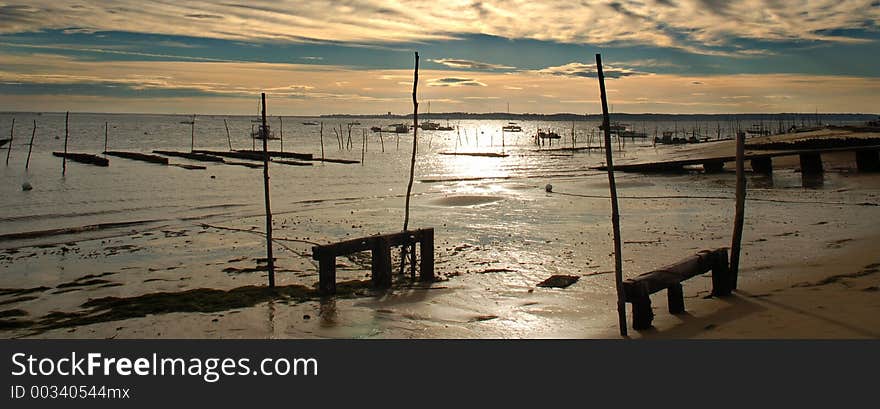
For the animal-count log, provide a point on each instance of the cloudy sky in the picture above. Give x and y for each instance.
(356, 56)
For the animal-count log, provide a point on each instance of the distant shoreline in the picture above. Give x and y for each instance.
(623, 117)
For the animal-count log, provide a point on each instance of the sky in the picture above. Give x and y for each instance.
(316, 57)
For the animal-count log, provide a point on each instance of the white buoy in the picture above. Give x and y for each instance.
(26, 186)
(548, 188)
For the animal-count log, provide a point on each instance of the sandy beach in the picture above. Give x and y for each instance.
(808, 270)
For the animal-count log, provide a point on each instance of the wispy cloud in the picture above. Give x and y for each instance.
(455, 82)
(476, 65)
(697, 26)
(578, 69)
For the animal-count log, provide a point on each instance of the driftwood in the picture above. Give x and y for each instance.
(139, 156)
(86, 158)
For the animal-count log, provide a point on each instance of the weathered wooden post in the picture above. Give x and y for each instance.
(106, 134)
(228, 138)
(11, 137)
(426, 251)
(281, 129)
(740, 208)
(192, 132)
(66, 135)
(363, 146)
(31, 146)
(412, 163)
(264, 132)
(615, 214)
(322, 142)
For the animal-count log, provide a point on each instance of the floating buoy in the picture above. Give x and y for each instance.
(548, 188)
(26, 186)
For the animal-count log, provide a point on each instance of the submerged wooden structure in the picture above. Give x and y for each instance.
(190, 155)
(86, 158)
(380, 248)
(143, 157)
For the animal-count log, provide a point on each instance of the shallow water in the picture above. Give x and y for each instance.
(499, 232)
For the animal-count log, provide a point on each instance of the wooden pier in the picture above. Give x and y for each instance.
(380, 247)
(867, 160)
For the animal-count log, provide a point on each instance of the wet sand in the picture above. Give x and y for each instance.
(809, 265)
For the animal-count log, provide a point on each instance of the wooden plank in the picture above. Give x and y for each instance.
(139, 156)
(381, 263)
(277, 154)
(190, 155)
(86, 158)
(662, 278)
(366, 243)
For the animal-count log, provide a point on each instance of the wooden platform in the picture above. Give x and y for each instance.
(761, 161)
(380, 247)
(143, 157)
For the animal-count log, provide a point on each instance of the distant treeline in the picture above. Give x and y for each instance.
(623, 117)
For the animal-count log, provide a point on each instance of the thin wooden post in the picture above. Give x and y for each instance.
(228, 138)
(66, 135)
(615, 214)
(412, 164)
(382, 141)
(106, 133)
(740, 208)
(264, 132)
(192, 133)
(322, 142)
(31, 146)
(281, 129)
(363, 146)
(11, 137)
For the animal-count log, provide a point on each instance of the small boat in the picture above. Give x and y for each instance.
(547, 134)
(429, 126)
(393, 128)
(758, 130)
(615, 127)
(511, 127)
(310, 123)
(353, 123)
(258, 133)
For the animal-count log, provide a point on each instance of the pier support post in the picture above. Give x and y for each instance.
(762, 165)
(811, 163)
(675, 298)
(327, 274)
(723, 278)
(426, 251)
(381, 263)
(713, 166)
(642, 314)
(868, 161)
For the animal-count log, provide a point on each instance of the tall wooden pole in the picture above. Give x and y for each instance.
(412, 164)
(363, 145)
(281, 128)
(228, 138)
(66, 135)
(322, 142)
(11, 137)
(192, 132)
(740, 207)
(615, 213)
(106, 134)
(264, 132)
(31, 146)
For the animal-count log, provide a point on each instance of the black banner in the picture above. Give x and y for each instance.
(407, 373)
